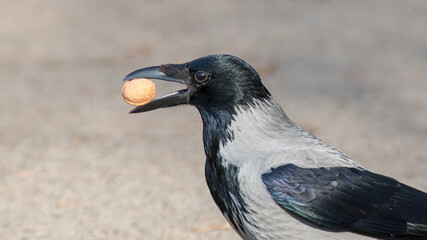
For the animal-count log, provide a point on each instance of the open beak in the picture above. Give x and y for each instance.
(169, 100)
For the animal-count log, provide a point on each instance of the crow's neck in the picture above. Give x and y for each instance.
(215, 129)
(219, 124)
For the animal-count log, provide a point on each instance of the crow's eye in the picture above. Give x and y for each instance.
(201, 76)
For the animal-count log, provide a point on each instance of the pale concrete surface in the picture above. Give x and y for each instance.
(75, 165)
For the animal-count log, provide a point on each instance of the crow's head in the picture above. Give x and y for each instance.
(213, 82)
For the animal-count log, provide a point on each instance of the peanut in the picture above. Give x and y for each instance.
(139, 91)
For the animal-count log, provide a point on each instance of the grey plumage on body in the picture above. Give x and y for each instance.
(270, 178)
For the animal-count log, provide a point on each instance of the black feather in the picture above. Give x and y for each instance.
(349, 199)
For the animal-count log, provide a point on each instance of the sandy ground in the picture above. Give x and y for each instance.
(75, 165)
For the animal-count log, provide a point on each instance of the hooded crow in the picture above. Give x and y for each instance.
(270, 178)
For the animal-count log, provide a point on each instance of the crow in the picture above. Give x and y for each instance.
(272, 179)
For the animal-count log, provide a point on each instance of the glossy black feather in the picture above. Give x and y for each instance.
(349, 199)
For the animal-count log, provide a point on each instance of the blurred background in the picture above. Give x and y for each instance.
(75, 165)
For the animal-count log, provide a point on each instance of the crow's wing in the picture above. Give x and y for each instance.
(349, 199)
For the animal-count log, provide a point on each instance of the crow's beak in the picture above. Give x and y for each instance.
(168, 100)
